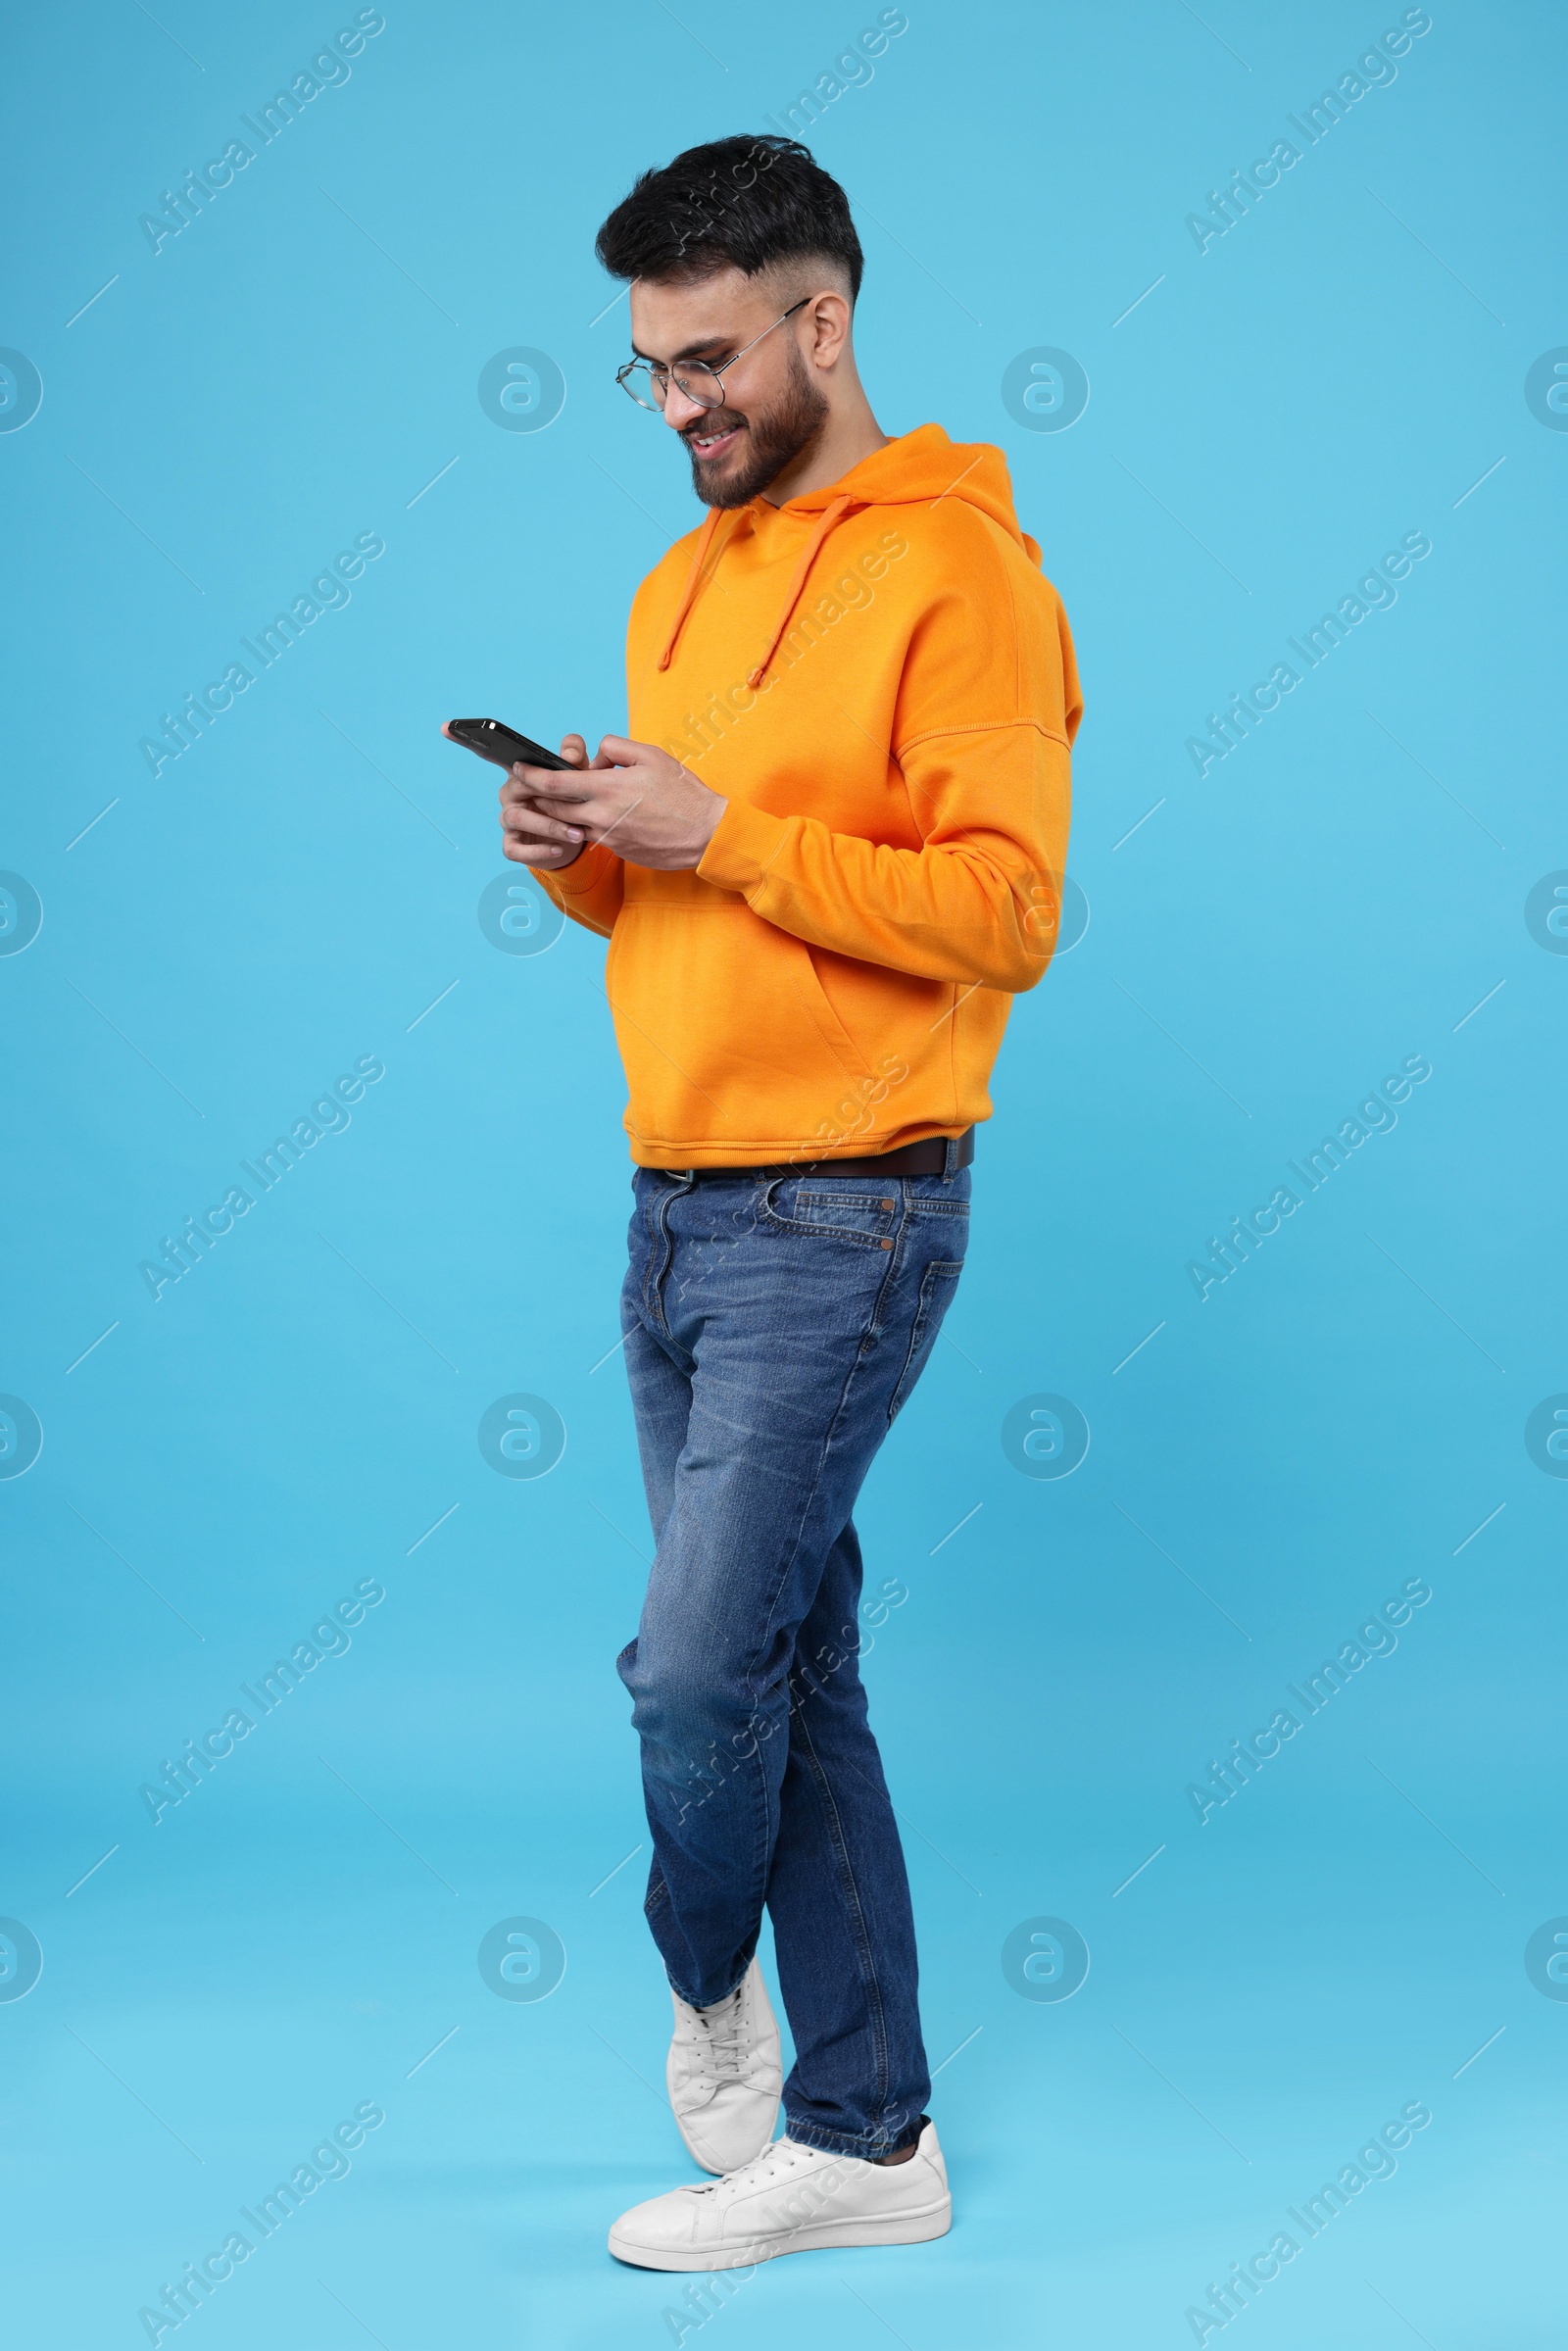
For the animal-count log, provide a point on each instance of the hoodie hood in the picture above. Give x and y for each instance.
(919, 468)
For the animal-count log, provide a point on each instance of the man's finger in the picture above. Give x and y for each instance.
(522, 853)
(523, 785)
(550, 783)
(514, 794)
(536, 825)
(619, 751)
(574, 748)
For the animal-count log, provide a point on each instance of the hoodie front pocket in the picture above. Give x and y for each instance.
(728, 1038)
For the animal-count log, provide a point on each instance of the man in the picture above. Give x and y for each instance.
(829, 857)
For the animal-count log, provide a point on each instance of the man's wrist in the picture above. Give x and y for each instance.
(742, 846)
(720, 815)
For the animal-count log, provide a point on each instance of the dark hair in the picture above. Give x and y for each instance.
(746, 202)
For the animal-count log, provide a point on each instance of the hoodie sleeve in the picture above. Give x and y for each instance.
(589, 889)
(987, 710)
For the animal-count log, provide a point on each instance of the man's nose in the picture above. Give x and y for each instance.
(680, 409)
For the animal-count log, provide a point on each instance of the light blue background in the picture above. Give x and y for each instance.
(294, 368)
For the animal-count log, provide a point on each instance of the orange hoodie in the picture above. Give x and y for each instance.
(881, 683)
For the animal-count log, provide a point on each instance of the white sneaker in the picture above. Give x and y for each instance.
(791, 2199)
(724, 2072)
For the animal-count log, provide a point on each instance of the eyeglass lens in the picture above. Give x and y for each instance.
(693, 377)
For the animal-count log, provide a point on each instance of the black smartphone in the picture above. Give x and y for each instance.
(500, 744)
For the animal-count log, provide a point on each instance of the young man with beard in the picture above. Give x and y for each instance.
(826, 859)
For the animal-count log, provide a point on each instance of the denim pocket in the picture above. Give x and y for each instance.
(936, 1295)
(864, 1212)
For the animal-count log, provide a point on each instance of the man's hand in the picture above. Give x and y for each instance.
(535, 835)
(636, 799)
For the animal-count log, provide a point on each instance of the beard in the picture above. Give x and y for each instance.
(769, 440)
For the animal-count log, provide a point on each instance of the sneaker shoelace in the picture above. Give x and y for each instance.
(719, 2045)
(781, 2157)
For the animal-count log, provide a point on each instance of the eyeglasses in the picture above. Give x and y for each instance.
(694, 379)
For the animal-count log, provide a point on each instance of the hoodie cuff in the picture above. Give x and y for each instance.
(746, 841)
(586, 870)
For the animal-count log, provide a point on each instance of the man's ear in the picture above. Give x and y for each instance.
(829, 320)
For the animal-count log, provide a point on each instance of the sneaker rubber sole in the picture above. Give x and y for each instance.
(817, 2236)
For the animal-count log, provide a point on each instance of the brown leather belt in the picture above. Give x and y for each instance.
(927, 1158)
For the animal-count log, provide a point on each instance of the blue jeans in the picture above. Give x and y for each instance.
(775, 1323)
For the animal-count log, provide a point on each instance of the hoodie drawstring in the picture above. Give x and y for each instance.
(689, 592)
(793, 592)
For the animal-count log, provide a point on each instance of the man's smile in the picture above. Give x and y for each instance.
(711, 440)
